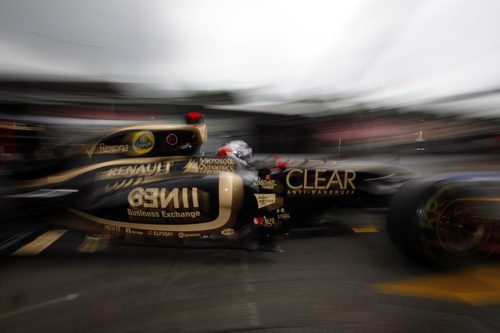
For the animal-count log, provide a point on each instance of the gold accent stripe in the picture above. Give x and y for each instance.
(40, 243)
(485, 199)
(66, 175)
(365, 229)
(230, 198)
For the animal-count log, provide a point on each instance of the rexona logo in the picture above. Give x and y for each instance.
(161, 202)
(142, 142)
(111, 149)
(320, 182)
(210, 165)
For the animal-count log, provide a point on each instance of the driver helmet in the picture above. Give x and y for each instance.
(238, 150)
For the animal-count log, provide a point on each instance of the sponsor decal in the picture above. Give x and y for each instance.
(230, 196)
(158, 233)
(192, 215)
(134, 232)
(264, 221)
(227, 232)
(112, 228)
(116, 230)
(281, 214)
(186, 235)
(265, 199)
(142, 142)
(139, 170)
(141, 213)
(164, 203)
(320, 182)
(210, 165)
(136, 174)
(121, 184)
(163, 198)
(164, 214)
(257, 220)
(266, 184)
(110, 149)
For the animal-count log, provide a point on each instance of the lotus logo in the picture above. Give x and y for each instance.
(142, 142)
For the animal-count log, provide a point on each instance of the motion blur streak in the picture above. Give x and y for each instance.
(40, 243)
(363, 138)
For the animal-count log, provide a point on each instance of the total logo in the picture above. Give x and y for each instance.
(264, 221)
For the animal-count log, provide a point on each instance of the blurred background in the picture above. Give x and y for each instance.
(340, 79)
(410, 82)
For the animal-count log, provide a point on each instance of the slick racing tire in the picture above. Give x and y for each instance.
(432, 224)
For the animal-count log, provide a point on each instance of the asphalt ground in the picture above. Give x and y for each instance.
(350, 279)
(337, 281)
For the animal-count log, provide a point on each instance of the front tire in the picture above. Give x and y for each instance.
(431, 223)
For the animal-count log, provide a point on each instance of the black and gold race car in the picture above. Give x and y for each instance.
(150, 184)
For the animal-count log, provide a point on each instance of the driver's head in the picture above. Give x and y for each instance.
(237, 150)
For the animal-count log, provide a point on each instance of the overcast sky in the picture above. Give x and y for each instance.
(377, 49)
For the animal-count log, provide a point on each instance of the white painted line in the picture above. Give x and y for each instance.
(40, 243)
(67, 298)
(44, 193)
(253, 313)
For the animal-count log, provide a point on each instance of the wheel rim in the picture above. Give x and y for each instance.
(459, 232)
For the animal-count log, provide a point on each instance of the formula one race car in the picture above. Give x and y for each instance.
(442, 219)
(149, 184)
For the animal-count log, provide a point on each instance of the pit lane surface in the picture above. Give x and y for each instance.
(332, 282)
(60, 281)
